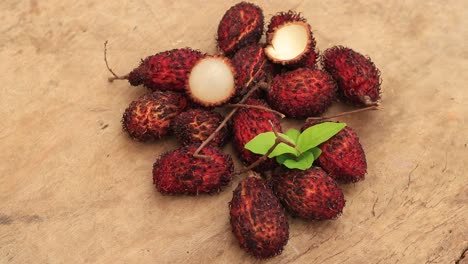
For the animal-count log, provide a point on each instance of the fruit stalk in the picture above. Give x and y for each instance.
(372, 107)
(116, 77)
(258, 107)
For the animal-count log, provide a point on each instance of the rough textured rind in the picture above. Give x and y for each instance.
(302, 93)
(248, 123)
(179, 172)
(166, 70)
(241, 25)
(343, 157)
(150, 116)
(195, 125)
(282, 18)
(258, 220)
(357, 77)
(309, 194)
(252, 66)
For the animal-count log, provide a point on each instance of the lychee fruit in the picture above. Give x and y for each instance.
(248, 123)
(310, 194)
(211, 81)
(150, 116)
(195, 125)
(343, 157)
(251, 66)
(290, 40)
(258, 220)
(166, 70)
(302, 92)
(241, 25)
(357, 77)
(179, 172)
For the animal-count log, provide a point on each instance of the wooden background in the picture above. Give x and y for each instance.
(75, 189)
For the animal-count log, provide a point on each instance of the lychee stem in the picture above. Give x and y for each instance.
(226, 119)
(372, 107)
(116, 77)
(258, 107)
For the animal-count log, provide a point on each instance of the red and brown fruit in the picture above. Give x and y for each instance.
(252, 67)
(342, 157)
(179, 172)
(166, 70)
(258, 220)
(290, 40)
(302, 92)
(195, 125)
(150, 116)
(310, 194)
(248, 123)
(211, 81)
(241, 26)
(357, 77)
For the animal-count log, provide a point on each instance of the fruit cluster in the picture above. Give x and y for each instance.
(261, 82)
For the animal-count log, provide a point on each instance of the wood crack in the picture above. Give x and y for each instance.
(462, 255)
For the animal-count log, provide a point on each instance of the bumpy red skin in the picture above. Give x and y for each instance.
(150, 116)
(196, 125)
(343, 157)
(302, 93)
(248, 123)
(241, 25)
(166, 70)
(357, 77)
(179, 172)
(258, 220)
(310, 194)
(252, 66)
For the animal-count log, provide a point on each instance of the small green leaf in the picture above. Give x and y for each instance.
(261, 143)
(303, 162)
(316, 151)
(315, 135)
(282, 158)
(293, 134)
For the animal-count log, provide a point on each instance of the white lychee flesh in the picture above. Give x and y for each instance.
(212, 81)
(289, 42)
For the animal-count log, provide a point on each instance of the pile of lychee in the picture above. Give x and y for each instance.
(258, 83)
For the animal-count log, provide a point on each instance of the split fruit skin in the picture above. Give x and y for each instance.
(357, 77)
(257, 219)
(179, 172)
(241, 25)
(252, 66)
(150, 116)
(302, 92)
(343, 157)
(195, 125)
(166, 70)
(248, 123)
(310, 194)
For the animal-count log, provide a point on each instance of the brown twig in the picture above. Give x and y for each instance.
(226, 119)
(258, 107)
(372, 107)
(116, 77)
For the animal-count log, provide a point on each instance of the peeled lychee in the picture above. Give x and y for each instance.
(309, 194)
(357, 77)
(166, 70)
(343, 157)
(196, 125)
(150, 116)
(211, 81)
(179, 172)
(258, 220)
(302, 93)
(290, 40)
(248, 123)
(241, 25)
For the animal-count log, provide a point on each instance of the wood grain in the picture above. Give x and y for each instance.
(75, 189)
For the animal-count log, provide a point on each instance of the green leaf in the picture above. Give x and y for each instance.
(293, 134)
(316, 135)
(261, 143)
(316, 151)
(282, 158)
(303, 162)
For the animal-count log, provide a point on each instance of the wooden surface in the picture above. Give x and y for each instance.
(75, 189)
